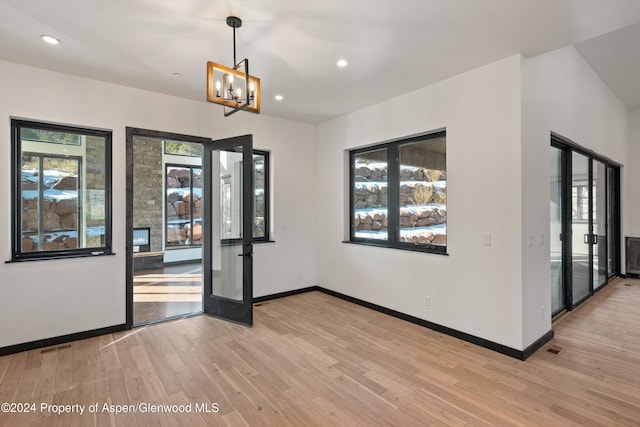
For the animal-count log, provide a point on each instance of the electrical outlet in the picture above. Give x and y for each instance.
(427, 300)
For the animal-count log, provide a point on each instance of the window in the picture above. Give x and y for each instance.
(183, 204)
(399, 194)
(181, 148)
(233, 207)
(261, 192)
(62, 191)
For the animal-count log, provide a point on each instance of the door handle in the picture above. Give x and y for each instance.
(591, 239)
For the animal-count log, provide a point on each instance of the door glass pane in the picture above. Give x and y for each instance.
(580, 226)
(556, 203)
(599, 226)
(195, 200)
(612, 220)
(227, 250)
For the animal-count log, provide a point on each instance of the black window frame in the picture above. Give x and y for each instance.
(16, 188)
(393, 195)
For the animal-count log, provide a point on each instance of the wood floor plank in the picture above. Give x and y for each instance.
(315, 360)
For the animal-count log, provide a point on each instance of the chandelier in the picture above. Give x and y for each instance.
(234, 88)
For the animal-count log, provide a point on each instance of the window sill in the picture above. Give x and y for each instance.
(62, 256)
(402, 248)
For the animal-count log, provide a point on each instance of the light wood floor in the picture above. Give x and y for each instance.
(314, 360)
(171, 291)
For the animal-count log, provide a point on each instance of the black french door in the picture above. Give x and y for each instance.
(585, 236)
(228, 225)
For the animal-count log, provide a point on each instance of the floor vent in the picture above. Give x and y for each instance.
(554, 350)
(630, 284)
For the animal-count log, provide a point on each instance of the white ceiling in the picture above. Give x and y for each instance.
(393, 46)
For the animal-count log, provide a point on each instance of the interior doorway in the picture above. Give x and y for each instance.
(195, 206)
(166, 212)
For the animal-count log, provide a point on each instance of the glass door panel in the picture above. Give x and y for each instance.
(599, 224)
(556, 239)
(228, 252)
(580, 228)
(612, 220)
(584, 224)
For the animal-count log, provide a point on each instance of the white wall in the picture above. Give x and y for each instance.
(631, 178)
(475, 289)
(561, 94)
(498, 120)
(42, 299)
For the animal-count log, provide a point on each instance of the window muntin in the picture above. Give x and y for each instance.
(399, 192)
(62, 180)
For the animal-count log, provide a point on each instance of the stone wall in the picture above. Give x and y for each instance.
(422, 197)
(148, 184)
(59, 219)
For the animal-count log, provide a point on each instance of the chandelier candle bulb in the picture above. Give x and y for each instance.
(217, 88)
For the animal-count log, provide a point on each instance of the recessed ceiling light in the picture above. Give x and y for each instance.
(278, 97)
(49, 39)
(342, 63)
(177, 75)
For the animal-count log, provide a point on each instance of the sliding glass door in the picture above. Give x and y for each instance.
(599, 224)
(584, 221)
(557, 254)
(580, 228)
